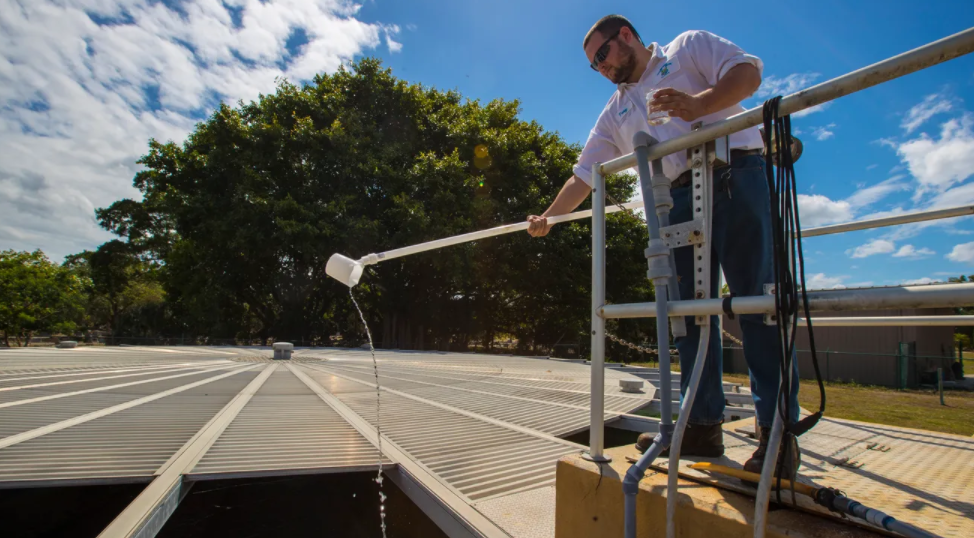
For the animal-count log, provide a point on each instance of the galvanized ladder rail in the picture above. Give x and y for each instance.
(692, 234)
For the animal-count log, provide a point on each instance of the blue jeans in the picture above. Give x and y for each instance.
(742, 246)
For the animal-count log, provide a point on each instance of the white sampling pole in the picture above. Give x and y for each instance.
(349, 271)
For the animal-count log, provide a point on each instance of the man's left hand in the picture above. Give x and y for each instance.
(679, 105)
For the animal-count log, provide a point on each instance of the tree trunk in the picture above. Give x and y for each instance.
(27, 338)
(6, 339)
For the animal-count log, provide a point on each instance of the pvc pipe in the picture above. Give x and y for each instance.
(892, 321)
(928, 296)
(673, 470)
(763, 495)
(905, 218)
(919, 58)
(596, 418)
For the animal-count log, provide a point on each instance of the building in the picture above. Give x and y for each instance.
(902, 357)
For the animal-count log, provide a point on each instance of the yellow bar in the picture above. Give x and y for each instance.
(804, 489)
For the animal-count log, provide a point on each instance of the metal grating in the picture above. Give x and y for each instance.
(133, 443)
(42, 388)
(479, 459)
(22, 418)
(286, 427)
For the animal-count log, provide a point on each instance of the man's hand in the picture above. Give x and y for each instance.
(538, 226)
(680, 105)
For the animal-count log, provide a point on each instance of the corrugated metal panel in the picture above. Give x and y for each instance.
(21, 418)
(546, 417)
(478, 458)
(48, 388)
(38, 360)
(287, 427)
(131, 443)
(568, 393)
(20, 380)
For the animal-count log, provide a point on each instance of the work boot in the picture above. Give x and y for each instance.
(789, 469)
(706, 440)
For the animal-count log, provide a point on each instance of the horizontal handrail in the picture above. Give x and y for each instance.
(928, 296)
(905, 218)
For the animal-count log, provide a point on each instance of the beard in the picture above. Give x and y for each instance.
(627, 64)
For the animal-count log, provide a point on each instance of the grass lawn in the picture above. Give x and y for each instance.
(907, 408)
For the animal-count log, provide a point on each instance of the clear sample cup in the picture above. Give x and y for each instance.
(655, 118)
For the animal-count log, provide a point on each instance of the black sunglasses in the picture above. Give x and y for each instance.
(603, 51)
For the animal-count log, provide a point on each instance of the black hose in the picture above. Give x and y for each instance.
(787, 254)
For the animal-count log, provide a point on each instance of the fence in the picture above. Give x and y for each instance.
(896, 370)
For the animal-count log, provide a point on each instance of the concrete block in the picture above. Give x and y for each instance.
(589, 502)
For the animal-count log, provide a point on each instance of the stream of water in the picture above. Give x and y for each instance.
(378, 415)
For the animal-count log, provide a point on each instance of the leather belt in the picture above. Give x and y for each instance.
(684, 179)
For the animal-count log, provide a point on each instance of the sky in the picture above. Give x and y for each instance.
(84, 84)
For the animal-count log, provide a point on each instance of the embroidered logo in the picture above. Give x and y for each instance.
(664, 69)
(624, 110)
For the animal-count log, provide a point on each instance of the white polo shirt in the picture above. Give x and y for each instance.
(691, 63)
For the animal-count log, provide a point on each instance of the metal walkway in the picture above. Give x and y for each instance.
(472, 439)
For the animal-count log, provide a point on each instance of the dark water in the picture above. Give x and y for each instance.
(319, 506)
(612, 437)
(79, 511)
(314, 506)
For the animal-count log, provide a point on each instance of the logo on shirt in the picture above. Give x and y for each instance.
(664, 70)
(624, 110)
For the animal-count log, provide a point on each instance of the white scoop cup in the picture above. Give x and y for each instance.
(345, 270)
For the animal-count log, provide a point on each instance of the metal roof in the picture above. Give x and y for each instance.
(469, 430)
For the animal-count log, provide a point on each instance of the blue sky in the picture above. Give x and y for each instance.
(155, 67)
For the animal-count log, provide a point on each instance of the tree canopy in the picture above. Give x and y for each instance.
(36, 294)
(239, 220)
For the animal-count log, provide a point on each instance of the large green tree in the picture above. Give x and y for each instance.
(123, 292)
(244, 214)
(36, 294)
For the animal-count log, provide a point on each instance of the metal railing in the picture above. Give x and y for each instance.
(948, 295)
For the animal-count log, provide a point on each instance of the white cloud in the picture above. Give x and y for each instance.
(819, 210)
(930, 106)
(773, 85)
(79, 99)
(871, 166)
(869, 195)
(940, 163)
(394, 46)
(911, 252)
(876, 246)
(963, 253)
(819, 281)
(812, 110)
(392, 30)
(823, 133)
(919, 281)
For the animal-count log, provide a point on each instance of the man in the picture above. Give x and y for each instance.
(702, 77)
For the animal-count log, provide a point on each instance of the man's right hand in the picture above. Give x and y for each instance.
(538, 226)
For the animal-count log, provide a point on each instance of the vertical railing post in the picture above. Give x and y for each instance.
(940, 384)
(596, 426)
